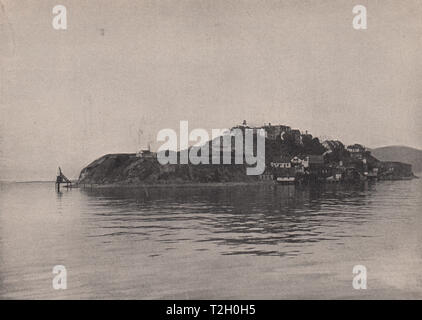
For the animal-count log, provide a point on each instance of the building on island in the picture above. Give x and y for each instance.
(282, 162)
(283, 170)
(146, 153)
(297, 137)
(274, 132)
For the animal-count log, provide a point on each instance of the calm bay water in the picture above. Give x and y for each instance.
(234, 242)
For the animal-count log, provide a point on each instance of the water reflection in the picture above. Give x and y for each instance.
(253, 242)
(252, 220)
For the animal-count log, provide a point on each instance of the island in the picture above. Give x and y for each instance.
(291, 157)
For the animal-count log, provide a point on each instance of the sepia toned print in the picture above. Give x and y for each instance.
(210, 150)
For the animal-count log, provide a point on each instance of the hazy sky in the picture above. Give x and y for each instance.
(70, 96)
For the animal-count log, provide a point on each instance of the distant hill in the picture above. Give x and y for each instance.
(400, 153)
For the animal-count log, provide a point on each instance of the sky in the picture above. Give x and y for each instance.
(70, 96)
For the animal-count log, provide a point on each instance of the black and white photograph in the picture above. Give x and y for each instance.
(201, 150)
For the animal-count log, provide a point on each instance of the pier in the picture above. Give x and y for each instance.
(61, 178)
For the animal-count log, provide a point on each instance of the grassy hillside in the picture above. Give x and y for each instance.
(400, 153)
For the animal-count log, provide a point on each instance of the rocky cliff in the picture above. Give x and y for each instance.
(129, 169)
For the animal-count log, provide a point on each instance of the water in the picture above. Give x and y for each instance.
(272, 242)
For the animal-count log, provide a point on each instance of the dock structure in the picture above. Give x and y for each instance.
(61, 178)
